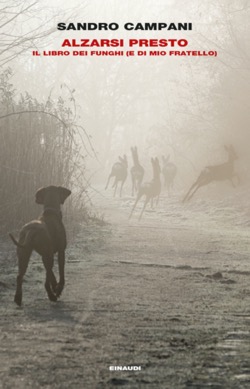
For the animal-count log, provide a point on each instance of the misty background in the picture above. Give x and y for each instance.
(96, 108)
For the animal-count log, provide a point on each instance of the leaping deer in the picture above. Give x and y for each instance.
(150, 189)
(119, 171)
(224, 171)
(137, 171)
(169, 171)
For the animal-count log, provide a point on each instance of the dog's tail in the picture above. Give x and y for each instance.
(15, 241)
(26, 237)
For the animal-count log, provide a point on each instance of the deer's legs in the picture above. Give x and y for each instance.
(115, 186)
(195, 190)
(115, 190)
(238, 178)
(233, 184)
(136, 201)
(201, 180)
(188, 193)
(139, 183)
(170, 188)
(198, 186)
(122, 183)
(198, 183)
(106, 187)
(136, 186)
(133, 186)
(232, 181)
(145, 204)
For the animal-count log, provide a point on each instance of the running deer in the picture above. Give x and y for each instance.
(137, 171)
(169, 171)
(120, 172)
(224, 171)
(149, 189)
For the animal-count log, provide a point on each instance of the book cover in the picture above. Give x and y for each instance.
(124, 137)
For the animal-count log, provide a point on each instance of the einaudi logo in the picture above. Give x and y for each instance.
(128, 368)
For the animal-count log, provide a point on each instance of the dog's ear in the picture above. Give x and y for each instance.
(64, 193)
(40, 194)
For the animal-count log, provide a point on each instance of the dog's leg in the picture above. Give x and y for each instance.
(50, 277)
(53, 282)
(61, 264)
(23, 260)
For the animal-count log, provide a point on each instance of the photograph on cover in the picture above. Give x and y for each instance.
(125, 183)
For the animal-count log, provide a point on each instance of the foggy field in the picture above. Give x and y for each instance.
(169, 293)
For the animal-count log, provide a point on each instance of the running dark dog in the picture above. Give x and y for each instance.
(46, 236)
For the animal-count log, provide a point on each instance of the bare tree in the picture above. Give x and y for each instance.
(25, 25)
